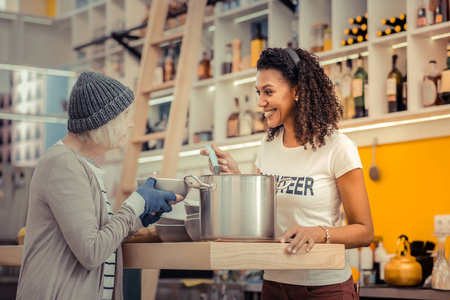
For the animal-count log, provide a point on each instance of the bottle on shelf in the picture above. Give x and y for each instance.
(204, 67)
(169, 65)
(358, 20)
(431, 86)
(245, 119)
(441, 13)
(388, 31)
(361, 38)
(337, 79)
(327, 44)
(405, 92)
(359, 31)
(257, 45)
(233, 121)
(394, 21)
(394, 86)
(444, 92)
(228, 58)
(257, 120)
(347, 96)
(360, 79)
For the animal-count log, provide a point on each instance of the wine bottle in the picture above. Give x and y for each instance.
(349, 103)
(257, 45)
(361, 38)
(358, 31)
(388, 31)
(431, 85)
(441, 13)
(394, 21)
(338, 77)
(358, 83)
(233, 121)
(358, 20)
(394, 87)
(405, 92)
(444, 92)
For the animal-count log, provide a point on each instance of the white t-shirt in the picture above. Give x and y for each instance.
(313, 198)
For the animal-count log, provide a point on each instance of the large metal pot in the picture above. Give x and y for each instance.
(237, 207)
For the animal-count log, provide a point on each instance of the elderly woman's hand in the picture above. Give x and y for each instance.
(156, 201)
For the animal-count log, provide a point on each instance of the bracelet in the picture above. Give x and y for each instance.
(327, 234)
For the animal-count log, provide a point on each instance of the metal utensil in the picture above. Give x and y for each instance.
(213, 158)
(374, 172)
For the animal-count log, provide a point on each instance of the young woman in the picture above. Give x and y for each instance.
(73, 243)
(303, 142)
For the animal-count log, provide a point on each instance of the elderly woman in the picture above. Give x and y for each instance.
(73, 243)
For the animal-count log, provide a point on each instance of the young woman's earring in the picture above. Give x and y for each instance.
(296, 99)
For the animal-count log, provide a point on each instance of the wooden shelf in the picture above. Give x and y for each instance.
(385, 291)
(215, 256)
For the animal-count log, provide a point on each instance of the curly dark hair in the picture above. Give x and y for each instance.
(318, 110)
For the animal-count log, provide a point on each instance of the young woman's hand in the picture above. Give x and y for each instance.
(300, 236)
(227, 164)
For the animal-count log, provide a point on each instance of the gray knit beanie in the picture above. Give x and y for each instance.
(95, 100)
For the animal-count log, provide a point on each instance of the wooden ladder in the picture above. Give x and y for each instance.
(182, 84)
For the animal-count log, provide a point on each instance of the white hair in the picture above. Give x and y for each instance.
(110, 134)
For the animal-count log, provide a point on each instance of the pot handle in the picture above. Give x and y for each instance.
(200, 184)
(283, 183)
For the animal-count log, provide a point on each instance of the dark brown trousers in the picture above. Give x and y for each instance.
(281, 291)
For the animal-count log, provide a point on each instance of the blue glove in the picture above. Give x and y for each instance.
(155, 201)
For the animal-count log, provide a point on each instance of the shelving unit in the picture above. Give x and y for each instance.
(212, 100)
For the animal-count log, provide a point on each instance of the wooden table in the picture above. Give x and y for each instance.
(211, 256)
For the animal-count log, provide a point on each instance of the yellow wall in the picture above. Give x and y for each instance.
(414, 186)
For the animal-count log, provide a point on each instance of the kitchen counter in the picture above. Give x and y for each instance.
(390, 292)
(214, 256)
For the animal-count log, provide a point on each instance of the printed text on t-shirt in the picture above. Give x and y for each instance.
(299, 185)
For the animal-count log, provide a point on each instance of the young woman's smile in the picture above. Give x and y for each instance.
(276, 97)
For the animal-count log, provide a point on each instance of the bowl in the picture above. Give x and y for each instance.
(169, 220)
(193, 216)
(178, 186)
(192, 207)
(172, 232)
(193, 228)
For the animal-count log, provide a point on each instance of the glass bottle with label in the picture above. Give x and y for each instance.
(421, 14)
(337, 79)
(431, 86)
(257, 45)
(233, 121)
(358, 88)
(349, 103)
(444, 92)
(394, 86)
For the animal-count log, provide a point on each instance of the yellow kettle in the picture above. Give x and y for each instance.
(403, 269)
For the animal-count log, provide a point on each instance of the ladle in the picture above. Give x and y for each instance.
(213, 158)
(374, 172)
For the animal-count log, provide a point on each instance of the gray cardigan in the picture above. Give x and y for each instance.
(68, 234)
